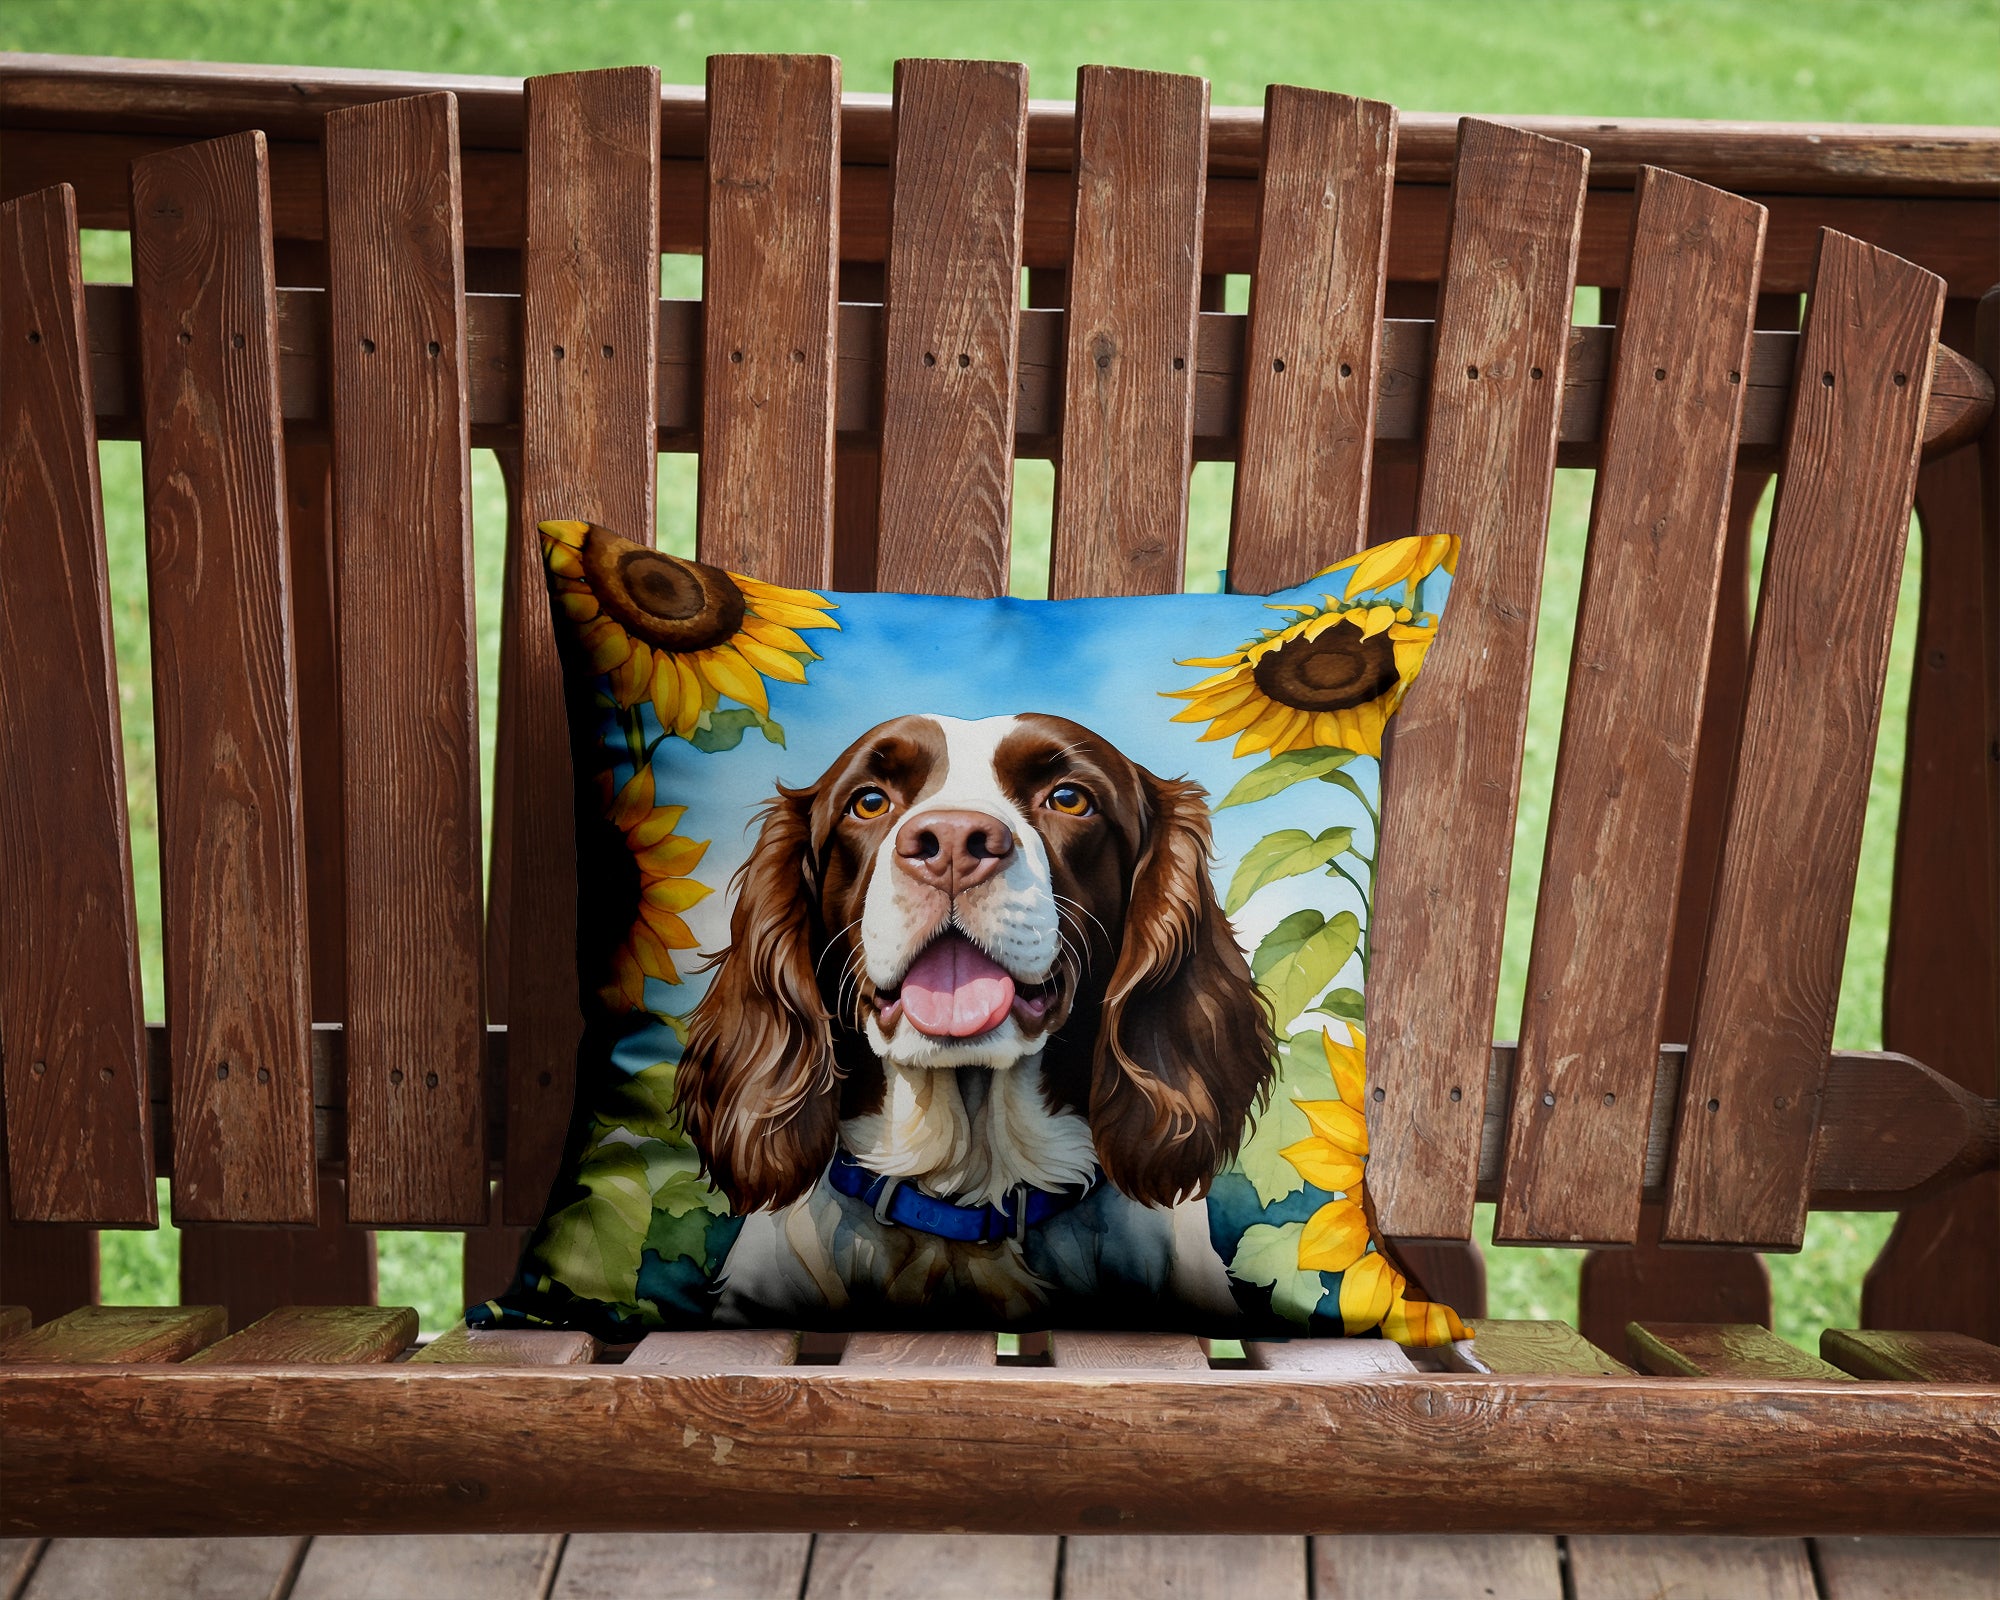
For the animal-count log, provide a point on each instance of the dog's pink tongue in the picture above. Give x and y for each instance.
(954, 990)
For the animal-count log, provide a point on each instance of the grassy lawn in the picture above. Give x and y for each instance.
(1842, 60)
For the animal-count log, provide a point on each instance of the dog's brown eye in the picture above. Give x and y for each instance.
(1072, 800)
(868, 805)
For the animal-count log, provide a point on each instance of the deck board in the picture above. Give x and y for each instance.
(444, 1566)
(1619, 1566)
(166, 1569)
(1369, 1566)
(681, 1566)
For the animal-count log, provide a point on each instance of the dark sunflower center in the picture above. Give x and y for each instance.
(670, 603)
(1333, 672)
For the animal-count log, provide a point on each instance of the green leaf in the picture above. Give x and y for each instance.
(1269, 1257)
(593, 1244)
(1352, 788)
(1281, 772)
(725, 730)
(1284, 854)
(1303, 1074)
(1345, 1004)
(676, 1234)
(1301, 956)
(644, 1104)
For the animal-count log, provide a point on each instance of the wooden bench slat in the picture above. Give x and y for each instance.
(1150, 1352)
(1448, 812)
(78, 1141)
(1597, 972)
(409, 701)
(1513, 1348)
(1618, 1566)
(1721, 1350)
(951, 326)
(1329, 1358)
(101, 1335)
(46, 1267)
(1750, 1098)
(716, 1350)
(1494, 1566)
(322, 1335)
(232, 867)
(1314, 339)
(664, 1566)
(1915, 1357)
(920, 1350)
(590, 336)
(255, 1271)
(1129, 356)
(769, 281)
(509, 1347)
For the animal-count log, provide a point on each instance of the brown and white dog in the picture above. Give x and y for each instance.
(977, 970)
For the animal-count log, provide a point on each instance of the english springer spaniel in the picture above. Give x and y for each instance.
(980, 1041)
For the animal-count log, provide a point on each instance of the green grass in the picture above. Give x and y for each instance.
(1840, 60)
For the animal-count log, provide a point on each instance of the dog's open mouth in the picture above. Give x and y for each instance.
(955, 990)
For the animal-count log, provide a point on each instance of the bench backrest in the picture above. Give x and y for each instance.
(314, 637)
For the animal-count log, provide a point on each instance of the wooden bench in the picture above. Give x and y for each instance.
(340, 283)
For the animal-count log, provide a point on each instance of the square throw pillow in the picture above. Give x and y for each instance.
(974, 963)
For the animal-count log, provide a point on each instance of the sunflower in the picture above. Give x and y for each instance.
(664, 860)
(1333, 677)
(679, 634)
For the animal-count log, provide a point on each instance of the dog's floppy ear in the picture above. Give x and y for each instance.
(757, 1088)
(1185, 1045)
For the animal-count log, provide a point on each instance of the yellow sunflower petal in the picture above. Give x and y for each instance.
(772, 663)
(674, 894)
(627, 989)
(655, 826)
(578, 607)
(1378, 618)
(688, 696)
(650, 951)
(1347, 1062)
(673, 932)
(635, 800)
(782, 615)
(1233, 660)
(1341, 1125)
(1367, 1290)
(632, 678)
(776, 635)
(665, 690)
(605, 643)
(563, 532)
(672, 857)
(1334, 1238)
(1324, 1166)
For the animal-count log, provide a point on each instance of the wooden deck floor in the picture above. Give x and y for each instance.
(861, 1566)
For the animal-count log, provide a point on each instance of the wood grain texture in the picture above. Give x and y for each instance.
(410, 1448)
(492, 1253)
(1918, 1357)
(1764, 1018)
(1721, 1350)
(1142, 1352)
(461, 1346)
(316, 671)
(589, 343)
(475, 1566)
(769, 281)
(1368, 1566)
(1619, 1566)
(1908, 1569)
(1129, 335)
(1269, 1566)
(1511, 1348)
(1314, 338)
(253, 1271)
(682, 1566)
(1448, 814)
(232, 865)
(919, 1350)
(77, 1133)
(97, 1335)
(47, 1267)
(409, 702)
(1597, 970)
(183, 1569)
(716, 1350)
(319, 1335)
(930, 1566)
(1328, 1358)
(951, 324)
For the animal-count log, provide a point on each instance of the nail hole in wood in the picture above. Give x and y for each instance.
(106, 1074)
(1457, 1095)
(1715, 1105)
(605, 352)
(736, 356)
(236, 340)
(34, 336)
(1278, 365)
(39, 1068)
(430, 1080)
(1736, 377)
(1659, 374)
(222, 1071)
(1901, 379)
(1611, 1099)
(964, 360)
(185, 337)
(433, 348)
(930, 358)
(1547, 1098)
(799, 355)
(1180, 363)
(263, 1074)
(1535, 373)
(396, 1076)
(1826, 380)
(560, 352)
(1345, 370)
(367, 347)
(545, 1079)
(1378, 1095)
(1472, 372)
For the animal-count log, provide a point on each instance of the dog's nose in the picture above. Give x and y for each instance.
(953, 850)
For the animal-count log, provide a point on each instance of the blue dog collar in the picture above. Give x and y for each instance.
(908, 1206)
